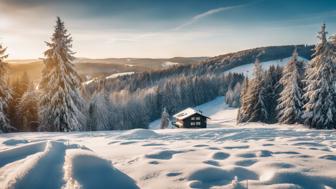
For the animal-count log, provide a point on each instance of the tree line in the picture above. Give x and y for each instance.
(128, 109)
(301, 93)
(60, 102)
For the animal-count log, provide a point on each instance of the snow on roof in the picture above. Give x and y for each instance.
(186, 113)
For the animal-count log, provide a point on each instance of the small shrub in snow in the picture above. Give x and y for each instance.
(164, 119)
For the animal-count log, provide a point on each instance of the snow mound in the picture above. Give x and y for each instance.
(15, 154)
(89, 171)
(301, 180)
(212, 176)
(138, 134)
(163, 155)
(13, 142)
(49, 162)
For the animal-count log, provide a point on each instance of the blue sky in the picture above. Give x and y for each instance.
(162, 28)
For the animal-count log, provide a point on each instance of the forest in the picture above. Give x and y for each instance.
(61, 102)
(301, 93)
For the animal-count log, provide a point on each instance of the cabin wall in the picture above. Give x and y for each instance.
(194, 122)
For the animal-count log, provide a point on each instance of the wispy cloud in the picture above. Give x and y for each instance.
(210, 12)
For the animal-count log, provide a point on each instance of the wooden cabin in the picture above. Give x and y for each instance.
(190, 118)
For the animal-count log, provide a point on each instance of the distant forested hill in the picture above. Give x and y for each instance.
(214, 65)
(135, 100)
(89, 68)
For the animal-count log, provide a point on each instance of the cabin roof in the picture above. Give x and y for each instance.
(187, 113)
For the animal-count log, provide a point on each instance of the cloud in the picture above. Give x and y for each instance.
(210, 12)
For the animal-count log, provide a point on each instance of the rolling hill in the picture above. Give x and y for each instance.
(89, 68)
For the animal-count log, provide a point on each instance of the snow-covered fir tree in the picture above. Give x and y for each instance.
(27, 109)
(290, 103)
(61, 103)
(333, 46)
(5, 92)
(320, 109)
(18, 87)
(254, 109)
(242, 112)
(99, 111)
(270, 93)
(164, 119)
(232, 96)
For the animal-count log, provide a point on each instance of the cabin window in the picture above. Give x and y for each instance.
(192, 123)
(198, 118)
(192, 118)
(198, 123)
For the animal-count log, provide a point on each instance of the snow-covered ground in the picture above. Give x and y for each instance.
(247, 69)
(225, 155)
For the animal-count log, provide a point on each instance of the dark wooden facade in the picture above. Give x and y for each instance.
(193, 121)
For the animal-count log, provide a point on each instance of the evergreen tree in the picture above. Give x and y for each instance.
(99, 111)
(13, 102)
(290, 103)
(61, 104)
(164, 119)
(320, 108)
(232, 96)
(5, 93)
(243, 110)
(18, 87)
(28, 109)
(270, 94)
(255, 106)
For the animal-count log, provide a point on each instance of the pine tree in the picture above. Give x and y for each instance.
(320, 108)
(61, 103)
(164, 119)
(12, 103)
(18, 87)
(243, 110)
(270, 94)
(255, 109)
(28, 109)
(232, 95)
(5, 93)
(99, 111)
(290, 103)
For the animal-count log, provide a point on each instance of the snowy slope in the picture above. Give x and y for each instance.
(247, 69)
(115, 75)
(119, 74)
(257, 155)
(217, 110)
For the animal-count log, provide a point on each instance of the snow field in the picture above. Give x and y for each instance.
(225, 155)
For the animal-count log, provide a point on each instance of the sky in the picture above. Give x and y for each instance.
(162, 28)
